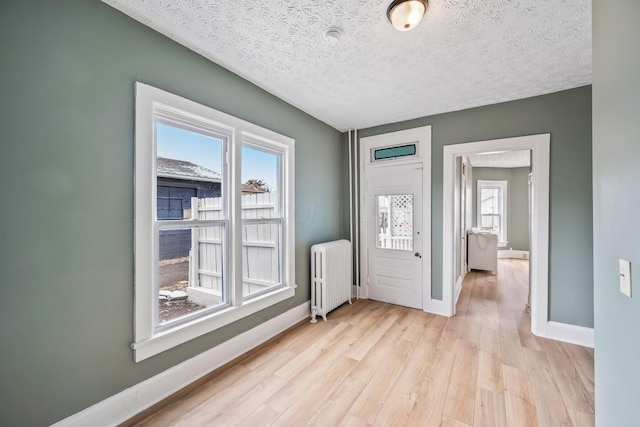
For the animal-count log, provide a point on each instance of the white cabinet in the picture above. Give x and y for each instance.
(483, 250)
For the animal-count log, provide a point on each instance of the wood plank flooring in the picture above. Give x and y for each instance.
(376, 364)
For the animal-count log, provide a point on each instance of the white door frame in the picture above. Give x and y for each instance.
(421, 136)
(539, 239)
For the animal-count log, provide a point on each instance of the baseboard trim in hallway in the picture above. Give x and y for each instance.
(571, 334)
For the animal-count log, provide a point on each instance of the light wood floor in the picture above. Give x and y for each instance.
(378, 364)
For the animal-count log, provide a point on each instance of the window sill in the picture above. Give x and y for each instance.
(202, 325)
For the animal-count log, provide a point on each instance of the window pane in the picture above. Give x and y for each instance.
(490, 201)
(174, 192)
(261, 261)
(188, 164)
(490, 222)
(187, 193)
(395, 222)
(260, 257)
(260, 182)
(190, 271)
(163, 191)
(491, 208)
(175, 214)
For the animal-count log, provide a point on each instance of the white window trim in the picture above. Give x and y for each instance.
(502, 238)
(147, 340)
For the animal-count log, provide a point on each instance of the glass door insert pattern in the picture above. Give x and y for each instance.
(395, 221)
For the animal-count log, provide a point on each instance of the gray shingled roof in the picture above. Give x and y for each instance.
(184, 169)
(253, 188)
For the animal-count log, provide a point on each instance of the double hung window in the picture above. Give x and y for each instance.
(492, 208)
(213, 221)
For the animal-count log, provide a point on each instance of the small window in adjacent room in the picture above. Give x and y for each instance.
(492, 208)
(194, 165)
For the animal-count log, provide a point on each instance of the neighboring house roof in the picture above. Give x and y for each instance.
(253, 188)
(183, 169)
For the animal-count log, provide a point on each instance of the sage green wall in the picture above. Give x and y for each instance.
(519, 205)
(566, 116)
(517, 202)
(616, 208)
(66, 259)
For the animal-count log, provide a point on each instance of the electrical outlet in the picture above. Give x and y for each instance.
(624, 271)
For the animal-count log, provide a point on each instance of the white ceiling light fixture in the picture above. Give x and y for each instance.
(405, 15)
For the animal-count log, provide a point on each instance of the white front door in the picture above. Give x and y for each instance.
(393, 200)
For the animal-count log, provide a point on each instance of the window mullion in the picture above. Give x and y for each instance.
(263, 221)
(235, 217)
(180, 224)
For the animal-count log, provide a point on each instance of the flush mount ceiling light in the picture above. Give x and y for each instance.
(405, 15)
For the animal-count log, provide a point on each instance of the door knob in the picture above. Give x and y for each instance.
(417, 255)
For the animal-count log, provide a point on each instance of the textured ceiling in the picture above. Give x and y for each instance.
(466, 53)
(504, 159)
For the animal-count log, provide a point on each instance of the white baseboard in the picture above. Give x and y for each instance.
(130, 402)
(510, 253)
(569, 333)
(435, 306)
(458, 288)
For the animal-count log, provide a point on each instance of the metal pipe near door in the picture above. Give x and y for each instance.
(357, 228)
(351, 203)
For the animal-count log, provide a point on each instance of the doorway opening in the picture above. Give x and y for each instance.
(492, 207)
(538, 146)
(492, 210)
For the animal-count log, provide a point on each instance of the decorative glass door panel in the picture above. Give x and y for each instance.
(395, 221)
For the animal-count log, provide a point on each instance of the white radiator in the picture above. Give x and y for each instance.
(331, 277)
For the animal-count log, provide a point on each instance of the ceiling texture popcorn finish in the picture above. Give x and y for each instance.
(465, 53)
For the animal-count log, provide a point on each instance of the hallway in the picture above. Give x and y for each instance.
(538, 378)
